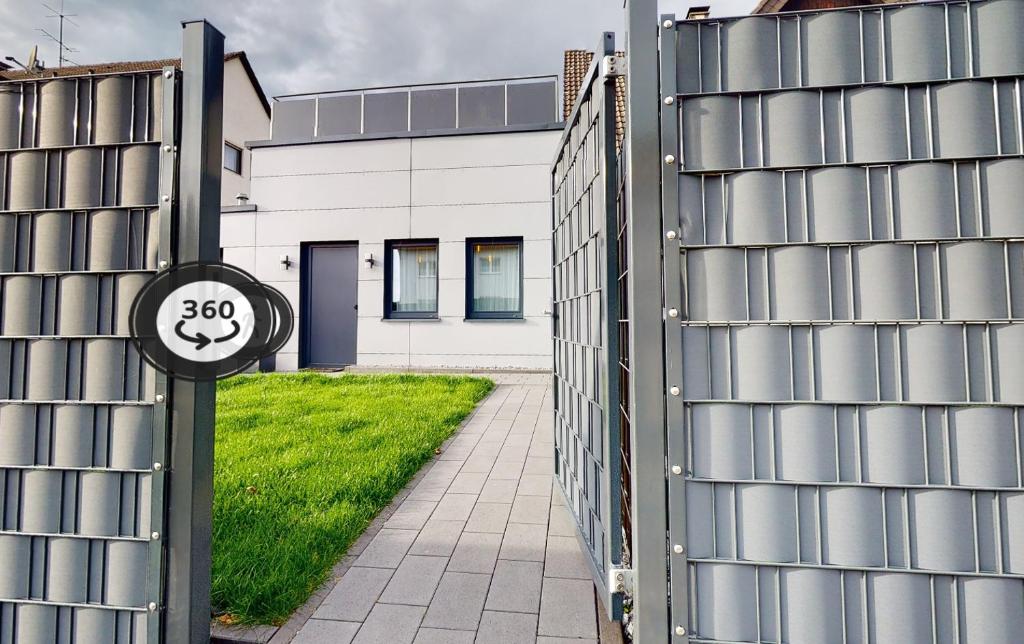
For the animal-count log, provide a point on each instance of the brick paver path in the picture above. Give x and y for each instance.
(482, 550)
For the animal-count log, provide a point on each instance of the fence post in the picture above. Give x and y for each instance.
(195, 238)
(646, 342)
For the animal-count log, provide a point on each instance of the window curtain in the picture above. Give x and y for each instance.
(414, 279)
(495, 277)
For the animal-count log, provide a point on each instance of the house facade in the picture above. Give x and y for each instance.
(408, 227)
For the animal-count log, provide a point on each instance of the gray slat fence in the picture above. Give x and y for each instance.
(820, 267)
(845, 361)
(85, 428)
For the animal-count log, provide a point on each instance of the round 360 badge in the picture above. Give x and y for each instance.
(208, 320)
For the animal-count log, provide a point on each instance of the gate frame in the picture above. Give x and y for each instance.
(647, 384)
(611, 583)
(676, 413)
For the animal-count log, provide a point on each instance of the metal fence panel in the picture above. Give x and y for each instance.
(88, 192)
(80, 233)
(849, 449)
(586, 374)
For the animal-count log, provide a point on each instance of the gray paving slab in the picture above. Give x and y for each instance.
(414, 581)
(387, 549)
(567, 609)
(499, 491)
(561, 523)
(467, 483)
(476, 552)
(454, 507)
(444, 636)
(458, 602)
(565, 559)
(539, 465)
(507, 469)
(489, 517)
(507, 628)
(535, 485)
(478, 463)
(523, 542)
(437, 538)
(515, 587)
(489, 447)
(564, 640)
(411, 515)
(354, 596)
(389, 624)
(319, 631)
(530, 509)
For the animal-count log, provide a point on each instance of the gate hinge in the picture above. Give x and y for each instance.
(620, 580)
(612, 66)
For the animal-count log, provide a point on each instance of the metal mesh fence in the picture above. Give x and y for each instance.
(585, 342)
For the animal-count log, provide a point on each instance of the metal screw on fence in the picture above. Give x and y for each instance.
(674, 390)
(668, 24)
(670, 159)
(676, 469)
(673, 313)
(678, 549)
(669, 100)
(680, 630)
(671, 234)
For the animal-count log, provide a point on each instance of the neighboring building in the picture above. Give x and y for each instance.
(409, 227)
(246, 110)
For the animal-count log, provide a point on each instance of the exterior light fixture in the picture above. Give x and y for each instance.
(286, 262)
(368, 258)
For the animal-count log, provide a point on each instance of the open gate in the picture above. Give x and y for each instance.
(815, 343)
(586, 349)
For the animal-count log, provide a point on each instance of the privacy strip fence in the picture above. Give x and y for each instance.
(842, 299)
(94, 199)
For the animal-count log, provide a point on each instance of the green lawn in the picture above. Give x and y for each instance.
(303, 463)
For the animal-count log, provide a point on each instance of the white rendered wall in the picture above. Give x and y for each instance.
(245, 119)
(448, 188)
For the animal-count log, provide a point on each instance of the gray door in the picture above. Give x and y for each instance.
(330, 304)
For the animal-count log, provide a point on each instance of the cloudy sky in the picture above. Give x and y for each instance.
(319, 45)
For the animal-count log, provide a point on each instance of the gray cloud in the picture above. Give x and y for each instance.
(318, 45)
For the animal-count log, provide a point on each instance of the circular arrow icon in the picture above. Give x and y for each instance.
(206, 320)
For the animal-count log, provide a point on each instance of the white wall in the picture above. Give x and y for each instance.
(245, 119)
(449, 188)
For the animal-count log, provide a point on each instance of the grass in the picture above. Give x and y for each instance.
(303, 463)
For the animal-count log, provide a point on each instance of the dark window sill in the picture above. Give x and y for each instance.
(511, 318)
(432, 318)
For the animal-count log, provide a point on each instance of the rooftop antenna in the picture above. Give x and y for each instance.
(62, 49)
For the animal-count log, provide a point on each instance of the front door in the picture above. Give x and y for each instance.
(329, 304)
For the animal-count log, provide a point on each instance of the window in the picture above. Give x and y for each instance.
(232, 158)
(494, 270)
(410, 279)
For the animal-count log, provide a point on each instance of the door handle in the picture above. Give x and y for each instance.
(355, 306)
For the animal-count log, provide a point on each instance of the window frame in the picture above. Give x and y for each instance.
(471, 313)
(390, 246)
(241, 158)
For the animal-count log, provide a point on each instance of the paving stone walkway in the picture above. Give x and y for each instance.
(481, 550)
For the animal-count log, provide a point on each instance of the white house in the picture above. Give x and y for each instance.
(408, 226)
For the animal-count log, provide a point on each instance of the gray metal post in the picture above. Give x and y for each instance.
(647, 401)
(673, 306)
(197, 237)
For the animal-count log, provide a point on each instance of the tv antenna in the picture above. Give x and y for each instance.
(62, 49)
